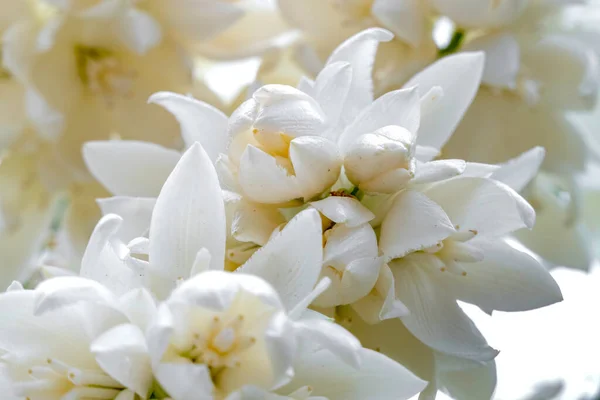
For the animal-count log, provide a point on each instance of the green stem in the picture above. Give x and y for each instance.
(454, 44)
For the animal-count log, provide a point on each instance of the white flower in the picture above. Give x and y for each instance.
(59, 342)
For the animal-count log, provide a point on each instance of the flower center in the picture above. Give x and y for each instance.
(221, 345)
(66, 382)
(455, 250)
(102, 73)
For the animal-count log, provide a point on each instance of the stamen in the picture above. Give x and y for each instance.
(92, 378)
(224, 340)
(85, 393)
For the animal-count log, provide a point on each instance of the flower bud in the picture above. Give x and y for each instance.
(381, 161)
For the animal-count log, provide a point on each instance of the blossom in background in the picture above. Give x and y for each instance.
(76, 71)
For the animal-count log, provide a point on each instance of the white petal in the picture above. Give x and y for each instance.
(458, 76)
(486, 206)
(439, 170)
(331, 90)
(346, 244)
(519, 171)
(378, 378)
(103, 258)
(123, 354)
(343, 210)
(413, 223)
(65, 291)
(302, 306)
(139, 31)
(199, 121)
(332, 337)
(502, 59)
(381, 303)
(400, 107)
(189, 215)
(317, 164)
(15, 286)
(480, 13)
(201, 262)
(254, 223)
(263, 180)
(359, 51)
(288, 110)
(130, 168)
(135, 211)
(139, 306)
(185, 381)
(359, 278)
(291, 260)
(406, 18)
(434, 317)
(506, 280)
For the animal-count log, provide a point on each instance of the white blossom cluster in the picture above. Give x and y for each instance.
(309, 242)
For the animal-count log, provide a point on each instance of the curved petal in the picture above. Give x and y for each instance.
(359, 51)
(265, 181)
(519, 171)
(414, 222)
(123, 354)
(434, 317)
(470, 384)
(459, 77)
(291, 260)
(288, 110)
(346, 244)
(344, 210)
(484, 205)
(254, 222)
(400, 107)
(130, 168)
(506, 280)
(317, 164)
(189, 215)
(199, 121)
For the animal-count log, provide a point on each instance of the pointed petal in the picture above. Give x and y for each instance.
(486, 206)
(199, 122)
(506, 280)
(400, 107)
(130, 168)
(459, 77)
(471, 383)
(519, 171)
(502, 59)
(291, 260)
(123, 354)
(189, 215)
(344, 210)
(413, 223)
(434, 317)
(359, 51)
(48, 122)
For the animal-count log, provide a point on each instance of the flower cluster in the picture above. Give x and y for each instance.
(315, 242)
